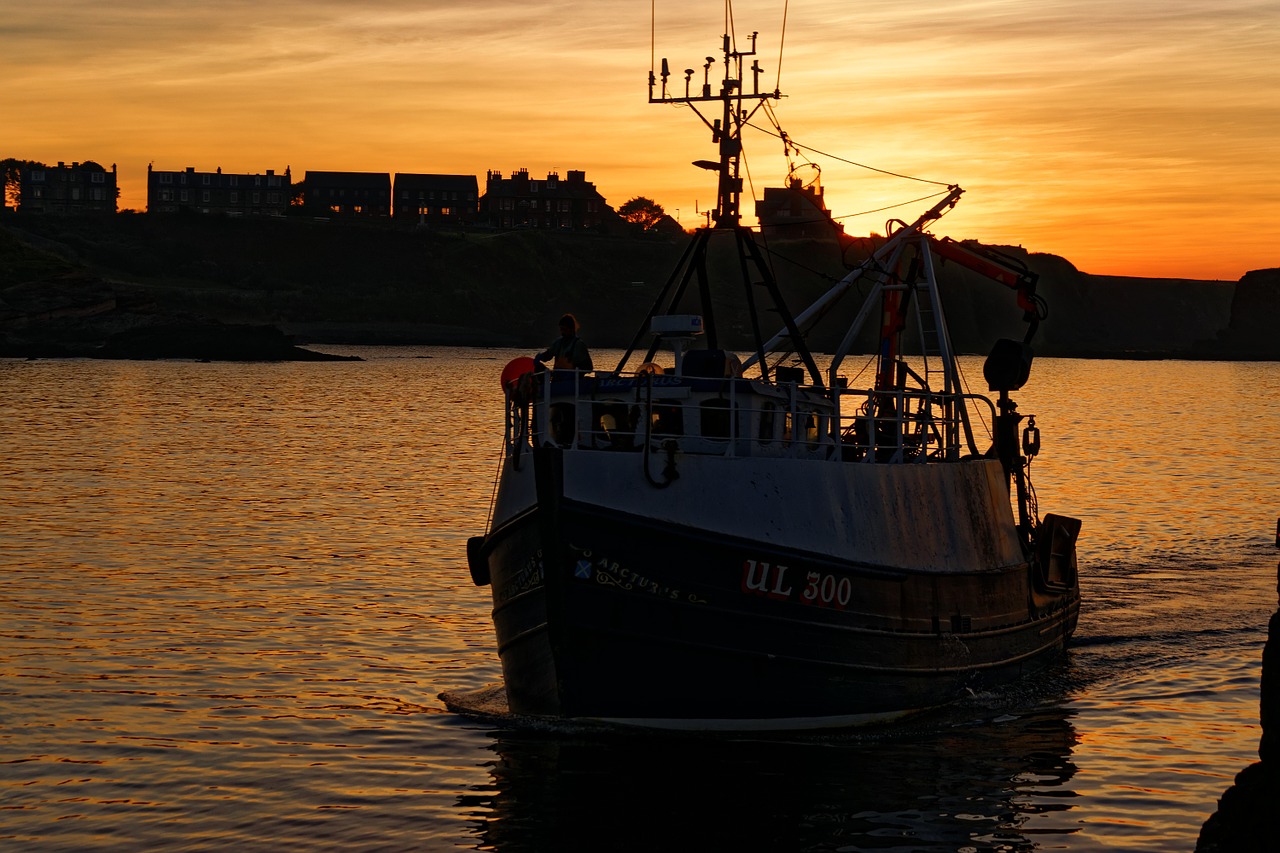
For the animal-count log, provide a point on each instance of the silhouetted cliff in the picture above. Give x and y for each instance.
(1251, 332)
(66, 285)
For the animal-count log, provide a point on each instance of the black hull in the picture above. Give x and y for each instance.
(604, 615)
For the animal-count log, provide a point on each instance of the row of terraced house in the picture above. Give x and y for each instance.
(571, 203)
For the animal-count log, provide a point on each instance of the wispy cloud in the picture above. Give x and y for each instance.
(1065, 119)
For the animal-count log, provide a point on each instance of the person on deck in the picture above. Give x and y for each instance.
(568, 350)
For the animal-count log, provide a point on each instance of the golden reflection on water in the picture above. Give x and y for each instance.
(233, 592)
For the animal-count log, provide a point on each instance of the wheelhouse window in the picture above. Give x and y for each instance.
(715, 415)
(613, 424)
(768, 423)
(667, 418)
(812, 422)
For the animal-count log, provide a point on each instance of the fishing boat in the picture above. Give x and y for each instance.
(703, 538)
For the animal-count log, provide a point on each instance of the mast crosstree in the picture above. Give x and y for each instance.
(736, 108)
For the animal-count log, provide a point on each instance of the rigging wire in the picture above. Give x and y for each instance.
(653, 40)
(968, 390)
(781, 135)
(769, 253)
(789, 145)
(777, 85)
(892, 206)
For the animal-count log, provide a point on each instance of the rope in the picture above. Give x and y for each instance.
(780, 135)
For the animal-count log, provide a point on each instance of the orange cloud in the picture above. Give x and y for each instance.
(1131, 141)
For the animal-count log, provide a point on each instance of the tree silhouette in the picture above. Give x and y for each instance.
(11, 170)
(642, 211)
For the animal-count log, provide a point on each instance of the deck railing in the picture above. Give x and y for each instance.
(741, 417)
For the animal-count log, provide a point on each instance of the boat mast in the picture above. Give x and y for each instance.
(737, 106)
(726, 130)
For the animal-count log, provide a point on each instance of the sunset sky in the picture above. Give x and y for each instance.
(1131, 137)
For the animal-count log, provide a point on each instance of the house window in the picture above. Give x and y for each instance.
(97, 194)
(257, 180)
(182, 196)
(273, 198)
(166, 195)
(273, 180)
(75, 193)
(235, 180)
(204, 179)
(204, 195)
(166, 178)
(37, 192)
(37, 176)
(97, 178)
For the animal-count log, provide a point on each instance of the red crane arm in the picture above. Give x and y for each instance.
(995, 266)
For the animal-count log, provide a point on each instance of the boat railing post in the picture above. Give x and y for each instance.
(900, 414)
(508, 428)
(837, 391)
(873, 424)
(733, 418)
(544, 417)
(577, 415)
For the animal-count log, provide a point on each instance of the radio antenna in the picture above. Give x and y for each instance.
(735, 102)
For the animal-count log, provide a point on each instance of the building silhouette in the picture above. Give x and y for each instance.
(218, 192)
(571, 204)
(74, 190)
(348, 194)
(796, 210)
(436, 199)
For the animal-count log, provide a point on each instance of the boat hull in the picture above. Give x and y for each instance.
(605, 613)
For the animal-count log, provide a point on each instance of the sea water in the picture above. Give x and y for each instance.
(232, 592)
